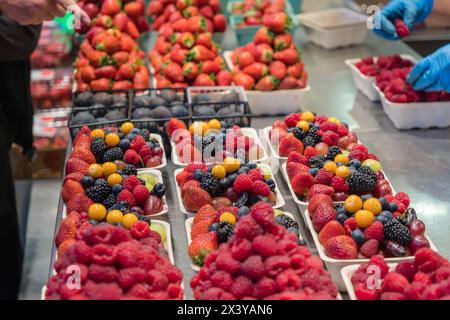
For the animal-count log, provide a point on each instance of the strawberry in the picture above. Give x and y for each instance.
(134, 9)
(197, 24)
(203, 244)
(127, 43)
(219, 22)
(87, 73)
(244, 80)
(364, 293)
(141, 81)
(110, 7)
(179, 55)
(142, 24)
(323, 214)
(187, 184)
(209, 67)
(75, 165)
(120, 21)
(263, 35)
(341, 247)
(66, 231)
(79, 203)
(173, 72)
(277, 22)
(180, 25)
(83, 154)
(91, 9)
(121, 57)
(320, 188)
(71, 188)
(287, 56)
(293, 168)
(282, 41)
(122, 85)
(204, 80)
(244, 59)
(205, 39)
(205, 213)
(224, 78)
(288, 83)
(301, 182)
(201, 227)
(288, 144)
(74, 177)
(102, 84)
(95, 57)
(242, 183)
(82, 141)
(263, 53)
(295, 156)
(173, 125)
(295, 70)
(110, 44)
(132, 29)
(186, 39)
(108, 72)
(207, 12)
(330, 230)
(126, 71)
(267, 83)
(317, 199)
(183, 4)
(200, 53)
(277, 69)
(194, 198)
(190, 70)
(257, 70)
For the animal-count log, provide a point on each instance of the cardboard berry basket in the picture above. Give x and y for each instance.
(188, 226)
(277, 102)
(250, 132)
(335, 266)
(414, 115)
(279, 198)
(365, 83)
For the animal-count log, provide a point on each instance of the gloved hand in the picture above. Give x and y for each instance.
(433, 72)
(410, 11)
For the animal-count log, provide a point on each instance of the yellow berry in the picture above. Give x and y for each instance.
(214, 124)
(330, 166)
(114, 216)
(114, 178)
(126, 127)
(353, 203)
(341, 158)
(112, 139)
(198, 128)
(231, 164)
(128, 220)
(303, 125)
(95, 170)
(342, 171)
(373, 205)
(228, 217)
(109, 168)
(219, 171)
(97, 212)
(333, 119)
(307, 116)
(97, 133)
(364, 218)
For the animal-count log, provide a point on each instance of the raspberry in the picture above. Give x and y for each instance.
(364, 293)
(422, 278)
(264, 245)
(403, 198)
(262, 212)
(297, 157)
(260, 188)
(414, 290)
(256, 174)
(317, 280)
(126, 195)
(378, 260)
(442, 274)
(288, 280)
(394, 282)
(357, 154)
(222, 279)
(103, 291)
(155, 235)
(67, 292)
(82, 252)
(215, 294)
(139, 290)
(426, 260)
(242, 183)
(360, 276)
(141, 194)
(156, 280)
(275, 264)
(130, 183)
(392, 296)
(310, 152)
(407, 269)
(351, 223)
(292, 119)
(103, 254)
(149, 242)
(241, 287)
(247, 228)
(342, 130)
(191, 167)
(339, 184)
(175, 291)
(331, 138)
(324, 177)
(147, 260)
(127, 253)
(226, 262)
(361, 148)
(241, 249)
(372, 156)
(98, 273)
(137, 143)
(369, 248)
(173, 274)
(119, 235)
(253, 267)
(328, 126)
(140, 229)
(321, 118)
(131, 156)
(264, 287)
(130, 276)
(99, 234)
(375, 231)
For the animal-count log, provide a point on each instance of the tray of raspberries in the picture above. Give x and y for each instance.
(362, 227)
(262, 260)
(210, 227)
(425, 277)
(365, 70)
(212, 141)
(226, 184)
(115, 263)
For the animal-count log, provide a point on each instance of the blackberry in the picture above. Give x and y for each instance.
(308, 142)
(317, 161)
(99, 191)
(312, 138)
(129, 170)
(394, 230)
(145, 133)
(286, 221)
(368, 172)
(254, 199)
(109, 201)
(113, 154)
(224, 231)
(333, 151)
(211, 184)
(298, 133)
(360, 183)
(98, 147)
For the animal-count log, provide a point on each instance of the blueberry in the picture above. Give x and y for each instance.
(116, 188)
(341, 217)
(198, 174)
(135, 130)
(251, 165)
(355, 163)
(130, 136)
(341, 210)
(242, 170)
(224, 183)
(393, 207)
(213, 227)
(94, 222)
(366, 197)
(87, 181)
(242, 211)
(232, 177)
(358, 236)
(124, 144)
(294, 231)
(382, 219)
(386, 214)
(384, 203)
(340, 164)
(313, 171)
(302, 242)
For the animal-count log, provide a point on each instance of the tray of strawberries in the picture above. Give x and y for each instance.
(423, 278)
(364, 226)
(230, 183)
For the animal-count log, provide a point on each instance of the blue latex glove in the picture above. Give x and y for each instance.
(410, 11)
(433, 72)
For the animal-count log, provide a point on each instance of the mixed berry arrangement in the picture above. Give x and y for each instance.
(255, 12)
(272, 61)
(262, 260)
(424, 278)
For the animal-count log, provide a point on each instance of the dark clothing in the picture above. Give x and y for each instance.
(16, 121)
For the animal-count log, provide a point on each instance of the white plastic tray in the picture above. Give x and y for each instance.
(365, 83)
(250, 132)
(188, 227)
(334, 28)
(412, 115)
(271, 102)
(273, 151)
(334, 266)
(279, 198)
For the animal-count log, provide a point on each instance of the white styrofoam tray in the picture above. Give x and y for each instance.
(272, 148)
(271, 102)
(333, 28)
(279, 198)
(365, 83)
(250, 132)
(334, 266)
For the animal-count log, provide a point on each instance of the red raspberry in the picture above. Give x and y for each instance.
(406, 268)
(215, 294)
(339, 184)
(130, 182)
(292, 119)
(263, 214)
(260, 188)
(275, 264)
(342, 130)
(175, 292)
(149, 242)
(357, 154)
(127, 253)
(242, 183)
(320, 119)
(324, 177)
(422, 278)
(288, 280)
(103, 254)
(351, 223)
(310, 152)
(256, 174)
(297, 157)
(392, 296)
(82, 252)
(264, 245)
(372, 156)
(378, 260)
(140, 229)
(264, 287)
(191, 167)
(328, 126)
(403, 198)
(145, 154)
(361, 148)
(241, 287)
(139, 290)
(156, 280)
(103, 291)
(131, 157)
(364, 293)
(99, 234)
(247, 228)
(137, 143)
(331, 138)
(130, 276)
(427, 260)
(232, 210)
(119, 234)
(141, 194)
(155, 235)
(369, 248)
(222, 279)
(360, 276)
(253, 267)
(147, 260)
(315, 279)
(442, 274)
(394, 282)
(241, 249)
(98, 273)
(415, 290)
(226, 262)
(67, 292)
(375, 231)
(126, 195)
